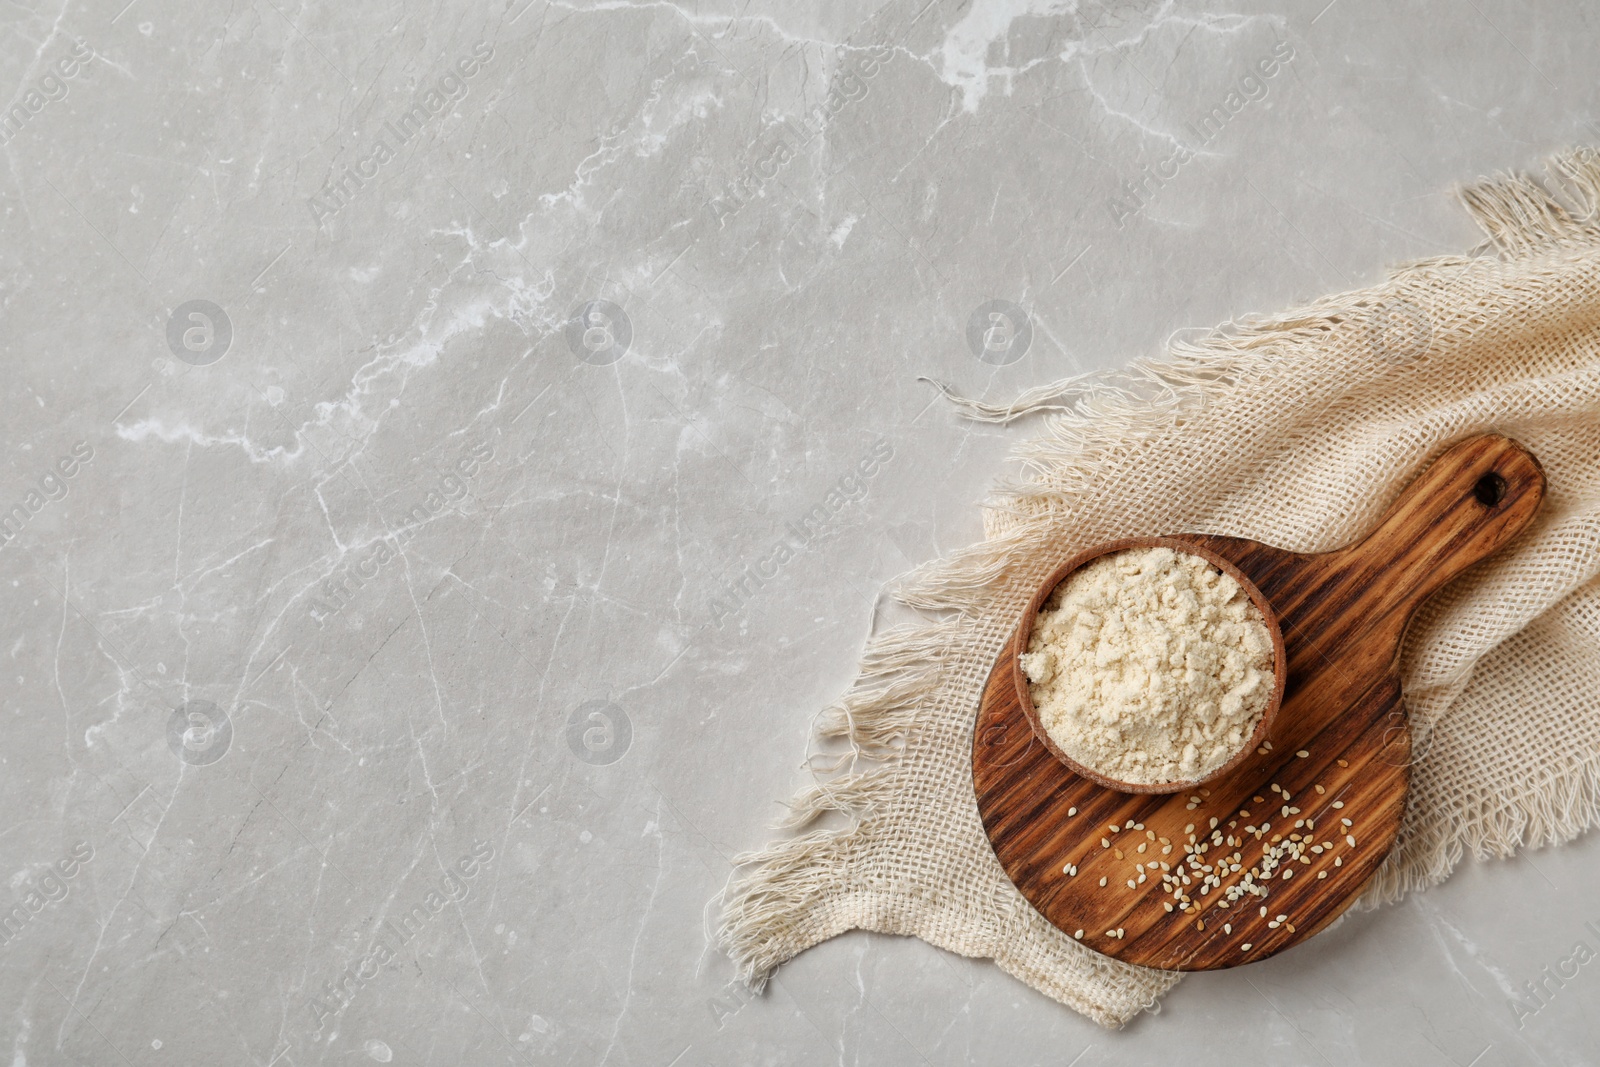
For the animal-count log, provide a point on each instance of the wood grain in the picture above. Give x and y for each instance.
(1343, 615)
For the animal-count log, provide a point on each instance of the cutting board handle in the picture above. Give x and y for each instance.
(1474, 499)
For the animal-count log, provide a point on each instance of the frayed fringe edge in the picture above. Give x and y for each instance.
(1553, 810)
(777, 908)
(765, 915)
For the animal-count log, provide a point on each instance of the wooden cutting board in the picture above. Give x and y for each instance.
(1335, 773)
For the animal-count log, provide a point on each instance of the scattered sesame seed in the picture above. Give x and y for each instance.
(1245, 946)
(1342, 763)
(1129, 826)
(1227, 928)
(1104, 843)
(1167, 904)
(1142, 846)
(1199, 924)
(1289, 927)
(1346, 822)
(1132, 884)
(1118, 852)
(1078, 936)
(1189, 829)
(1273, 925)
(1302, 753)
(1213, 824)
(1319, 789)
(1322, 874)
(1338, 861)
(1338, 803)
(1071, 812)
(1259, 800)
(1267, 745)
(1102, 881)
(1351, 838)
(1115, 827)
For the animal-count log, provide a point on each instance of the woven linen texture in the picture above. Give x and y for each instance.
(1296, 430)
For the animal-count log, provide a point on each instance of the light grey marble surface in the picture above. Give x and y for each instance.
(370, 524)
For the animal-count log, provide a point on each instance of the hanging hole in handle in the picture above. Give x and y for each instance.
(1490, 490)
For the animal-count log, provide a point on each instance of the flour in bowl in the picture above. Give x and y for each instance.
(1150, 666)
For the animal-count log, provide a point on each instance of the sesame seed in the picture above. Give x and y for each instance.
(1322, 874)
(1338, 861)
(1132, 884)
(1115, 827)
(1273, 925)
(1346, 822)
(1338, 803)
(1150, 834)
(1245, 946)
(1319, 789)
(1071, 812)
(1118, 852)
(1189, 829)
(1342, 763)
(1078, 935)
(1129, 826)
(1259, 800)
(1102, 881)
(1167, 904)
(1104, 843)
(1289, 927)
(1199, 924)
(1267, 745)
(1213, 824)
(1119, 932)
(1138, 826)
(1143, 845)
(1302, 753)
(1227, 928)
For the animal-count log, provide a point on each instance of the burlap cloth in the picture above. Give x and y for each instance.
(1298, 431)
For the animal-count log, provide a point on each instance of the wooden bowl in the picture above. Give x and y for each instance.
(1280, 660)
